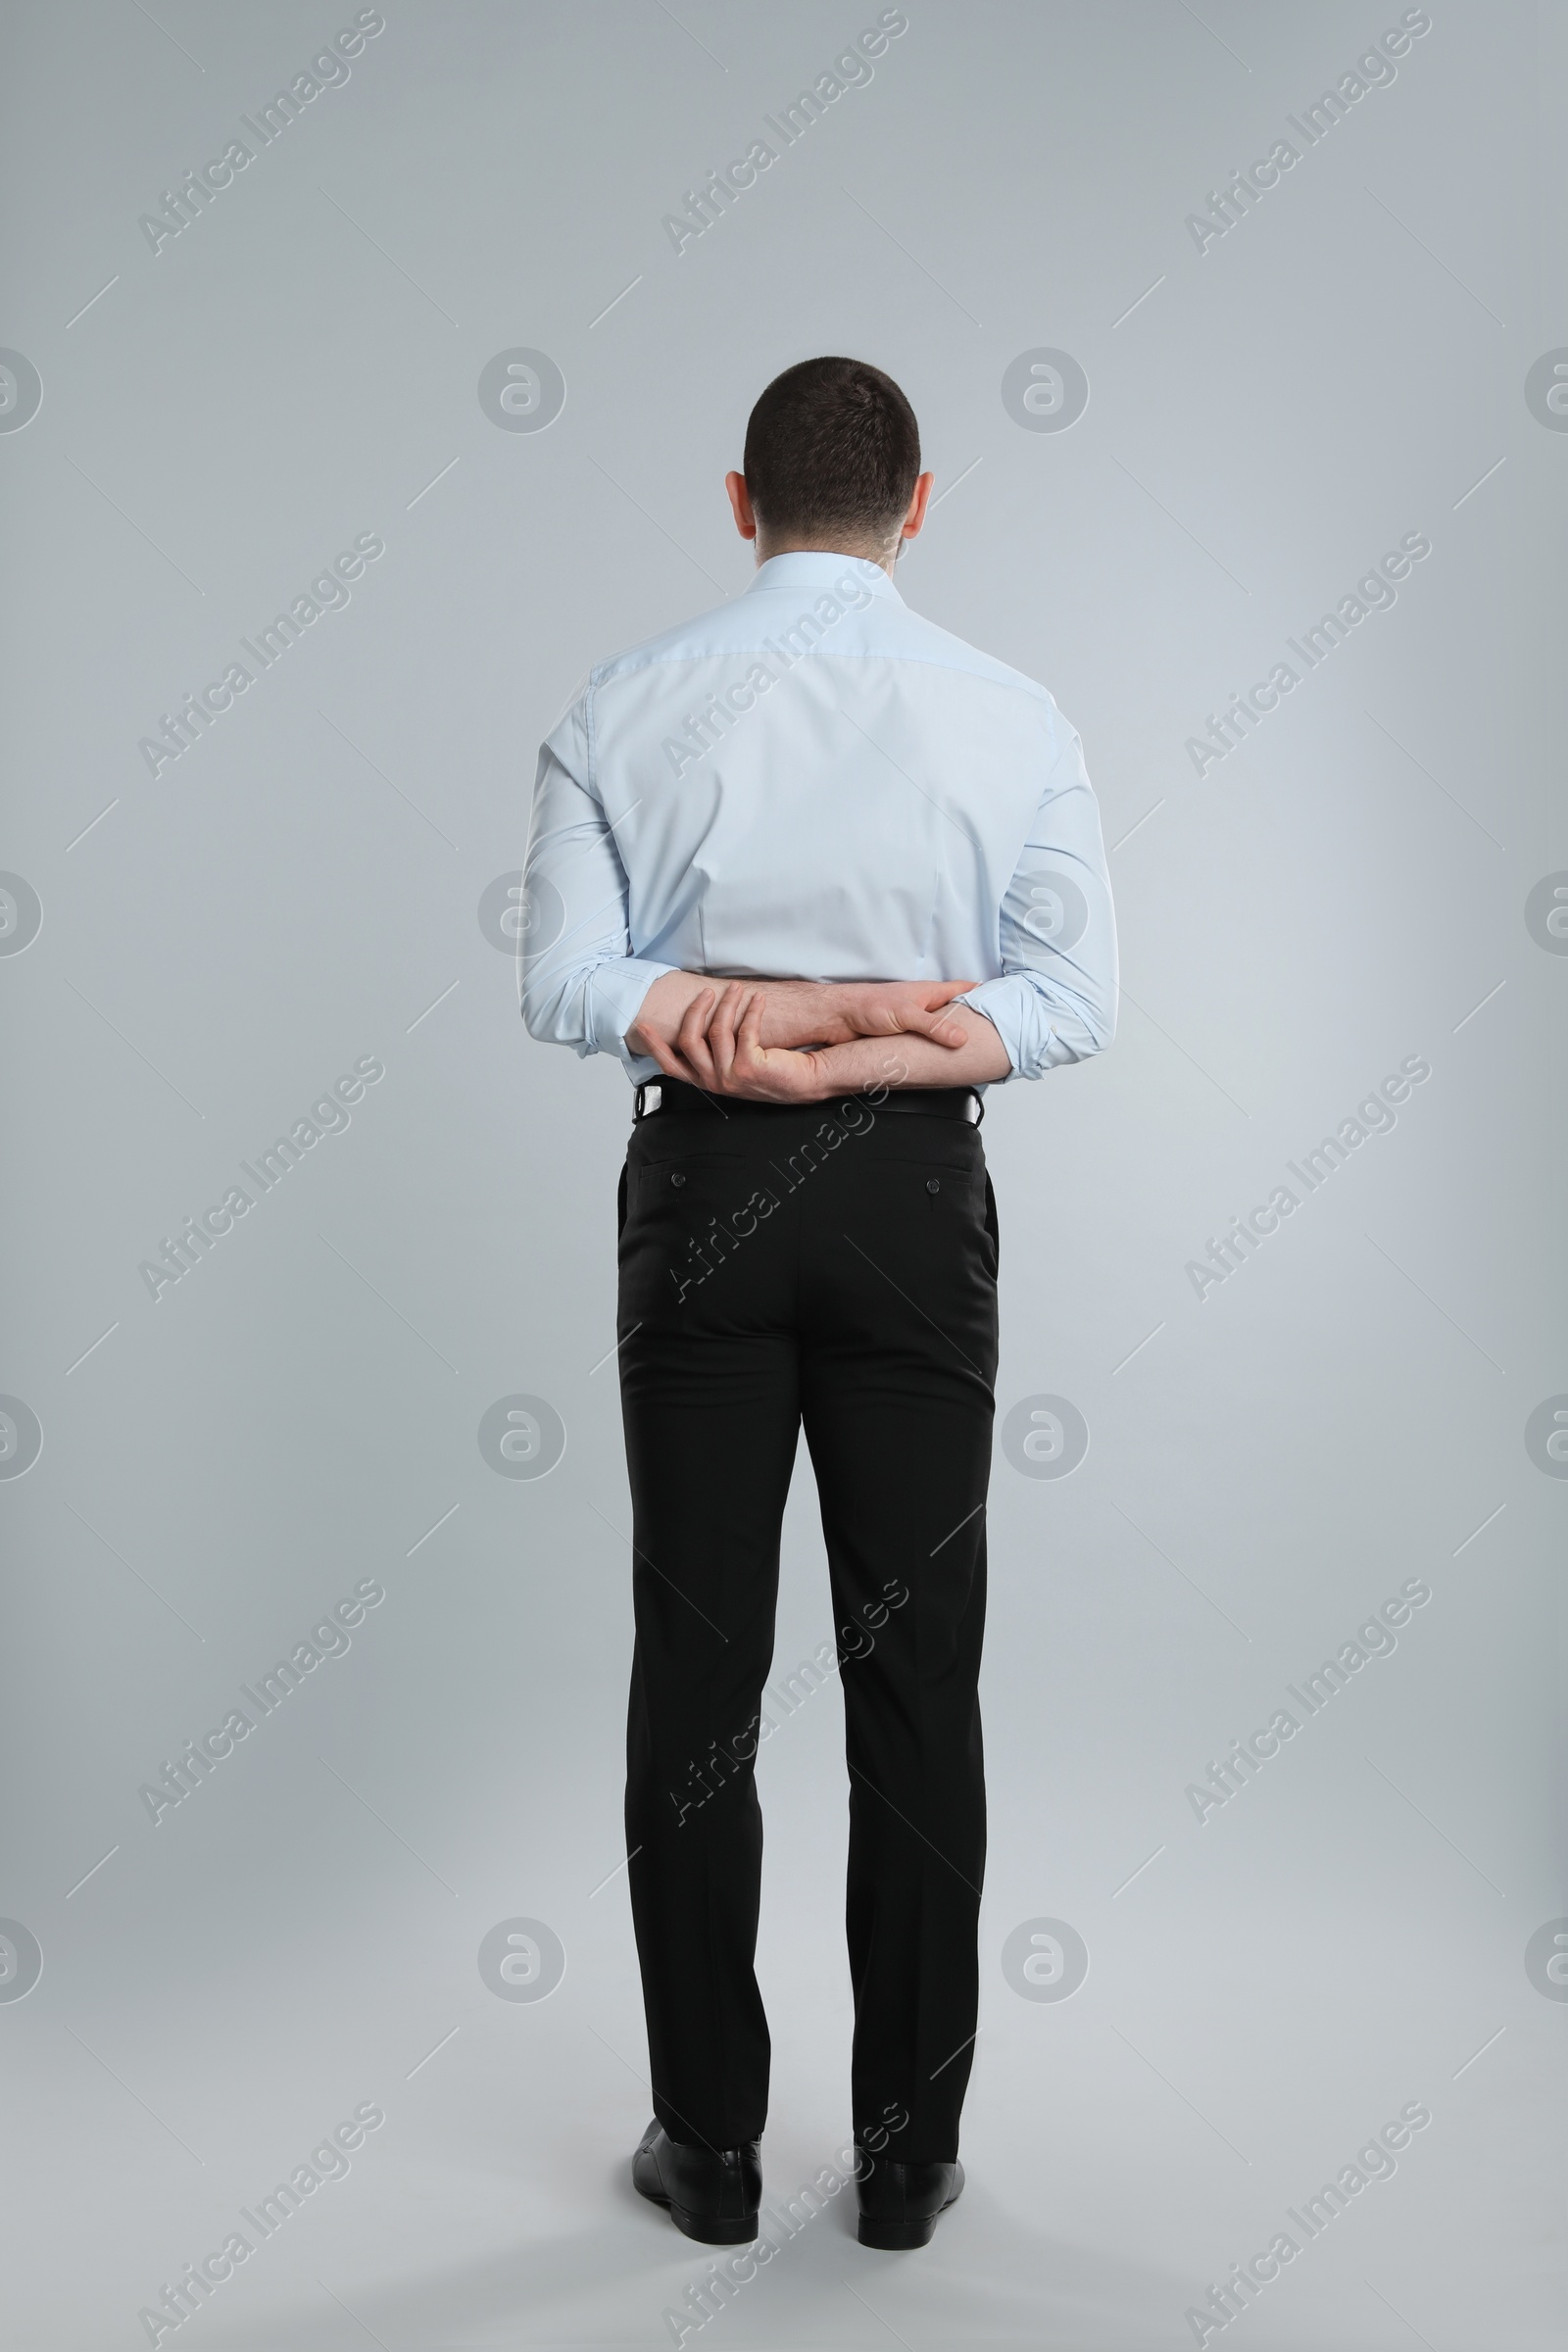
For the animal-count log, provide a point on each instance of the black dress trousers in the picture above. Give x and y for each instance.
(832, 1264)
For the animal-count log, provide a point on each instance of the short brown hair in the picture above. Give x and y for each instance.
(832, 445)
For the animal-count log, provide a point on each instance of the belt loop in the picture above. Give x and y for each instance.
(979, 1107)
(637, 1112)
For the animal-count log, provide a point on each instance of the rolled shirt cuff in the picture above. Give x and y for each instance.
(1014, 1012)
(615, 992)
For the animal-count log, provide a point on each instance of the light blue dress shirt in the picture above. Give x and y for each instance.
(813, 782)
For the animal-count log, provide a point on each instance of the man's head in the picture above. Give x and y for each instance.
(832, 462)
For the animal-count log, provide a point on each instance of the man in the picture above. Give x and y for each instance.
(809, 850)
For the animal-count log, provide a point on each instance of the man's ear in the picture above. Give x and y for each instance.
(740, 500)
(914, 520)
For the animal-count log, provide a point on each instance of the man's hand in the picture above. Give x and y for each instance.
(719, 1047)
(813, 1012)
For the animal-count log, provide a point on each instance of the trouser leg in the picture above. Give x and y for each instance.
(710, 1410)
(898, 1366)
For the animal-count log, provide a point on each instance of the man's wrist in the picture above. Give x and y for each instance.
(860, 1065)
(805, 1013)
(867, 1063)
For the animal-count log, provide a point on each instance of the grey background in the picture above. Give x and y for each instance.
(301, 888)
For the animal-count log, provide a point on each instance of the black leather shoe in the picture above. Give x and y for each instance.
(713, 2194)
(900, 2202)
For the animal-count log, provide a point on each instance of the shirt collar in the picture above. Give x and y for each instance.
(810, 567)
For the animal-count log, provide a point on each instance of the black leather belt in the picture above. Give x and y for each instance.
(924, 1102)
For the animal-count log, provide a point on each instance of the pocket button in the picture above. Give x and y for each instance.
(933, 1184)
(677, 1178)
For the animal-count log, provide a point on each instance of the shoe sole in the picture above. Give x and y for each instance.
(898, 2237)
(707, 2232)
(902, 2237)
(715, 2234)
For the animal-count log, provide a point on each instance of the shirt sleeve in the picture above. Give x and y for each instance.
(581, 985)
(1055, 1001)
